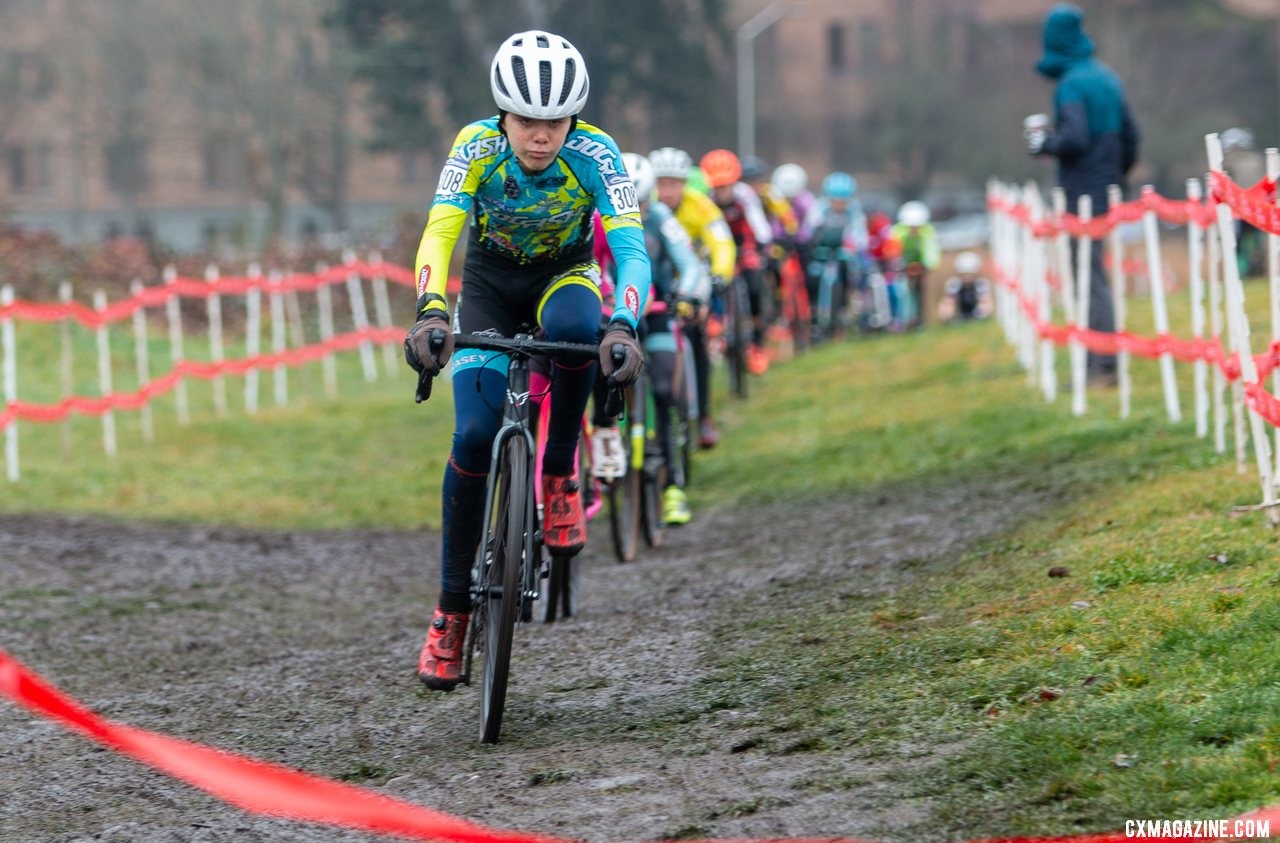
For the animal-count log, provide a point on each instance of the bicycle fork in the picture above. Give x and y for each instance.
(515, 423)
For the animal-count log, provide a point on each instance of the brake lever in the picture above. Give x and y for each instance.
(613, 402)
(425, 378)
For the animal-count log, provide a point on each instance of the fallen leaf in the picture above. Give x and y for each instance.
(1059, 571)
(1042, 695)
(1092, 680)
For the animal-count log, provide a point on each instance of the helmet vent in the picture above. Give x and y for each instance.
(517, 65)
(570, 73)
(544, 80)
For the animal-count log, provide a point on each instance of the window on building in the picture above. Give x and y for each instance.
(870, 45)
(29, 75)
(836, 59)
(40, 166)
(126, 160)
(220, 161)
(16, 162)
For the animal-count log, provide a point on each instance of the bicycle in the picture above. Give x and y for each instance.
(509, 565)
(794, 302)
(829, 266)
(737, 332)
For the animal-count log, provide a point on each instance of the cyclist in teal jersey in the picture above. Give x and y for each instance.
(530, 178)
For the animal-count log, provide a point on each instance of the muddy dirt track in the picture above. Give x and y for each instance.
(299, 648)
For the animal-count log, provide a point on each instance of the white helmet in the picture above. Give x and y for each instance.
(1236, 138)
(537, 74)
(789, 180)
(670, 163)
(968, 263)
(913, 214)
(641, 172)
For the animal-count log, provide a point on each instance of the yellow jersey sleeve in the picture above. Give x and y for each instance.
(706, 226)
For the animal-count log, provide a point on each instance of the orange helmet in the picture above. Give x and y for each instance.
(722, 167)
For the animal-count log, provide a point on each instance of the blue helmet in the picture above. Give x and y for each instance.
(839, 185)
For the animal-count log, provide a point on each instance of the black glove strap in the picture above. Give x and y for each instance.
(427, 299)
(618, 324)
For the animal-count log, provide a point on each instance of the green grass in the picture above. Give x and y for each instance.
(1145, 683)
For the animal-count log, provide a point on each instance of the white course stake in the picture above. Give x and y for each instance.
(10, 385)
(1119, 303)
(213, 305)
(67, 381)
(280, 372)
(1060, 260)
(1002, 253)
(1155, 275)
(1238, 326)
(1037, 287)
(173, 309)
(104, 375)
(143, 363)
(252, 337)
(1027, 284)
(1215, 330)
(391, 359)
(1084, 278)
(1195, 252)
(324, 298)
(360, 316)
(1273, 276)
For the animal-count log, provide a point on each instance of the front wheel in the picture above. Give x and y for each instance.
(737, 334)
(624, 513)
(500, 584)
(654, 480)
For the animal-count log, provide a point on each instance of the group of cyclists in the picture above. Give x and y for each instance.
(571, 237)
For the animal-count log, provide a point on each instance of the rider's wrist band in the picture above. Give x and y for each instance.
(431, 301)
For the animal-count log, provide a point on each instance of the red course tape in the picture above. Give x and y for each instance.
(276, 791)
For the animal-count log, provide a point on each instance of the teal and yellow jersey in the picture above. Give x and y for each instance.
(537, 219)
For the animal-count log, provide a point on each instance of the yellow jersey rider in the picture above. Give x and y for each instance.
(531, 178)
(705, 225)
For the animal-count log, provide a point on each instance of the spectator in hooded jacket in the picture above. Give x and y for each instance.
(1095, 139)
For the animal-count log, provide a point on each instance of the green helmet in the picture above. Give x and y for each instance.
(698, 180)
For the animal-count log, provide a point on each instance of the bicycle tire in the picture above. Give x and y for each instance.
(624, 514)
(653, 482)
(687, 411)
(502, 593)
(736, 329)
(561, 592)
(562, 588)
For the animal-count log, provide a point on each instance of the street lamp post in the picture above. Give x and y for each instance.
(747, 34)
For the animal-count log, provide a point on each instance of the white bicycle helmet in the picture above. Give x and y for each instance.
(641, 172)
(913, 214)
(1236, 138)
(789, 180)
(670, 163)
(968, 263)
(537, 74)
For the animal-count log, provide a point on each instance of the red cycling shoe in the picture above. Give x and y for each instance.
(564, 526)
(440, 662)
